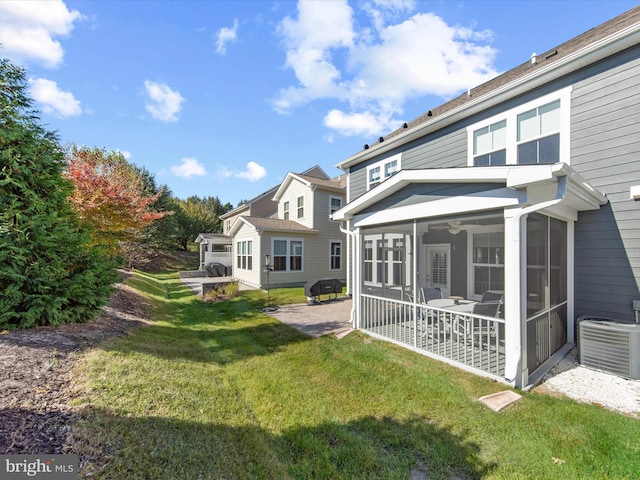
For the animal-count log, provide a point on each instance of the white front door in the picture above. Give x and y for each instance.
(439, 267)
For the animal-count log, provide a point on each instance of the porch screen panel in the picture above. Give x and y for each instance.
(537, 266)
(557, 262)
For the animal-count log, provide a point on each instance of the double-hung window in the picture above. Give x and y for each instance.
(244, 255)
(300, 207)
(287, 255)
(539, 135)
(490, 145)
(335, 255)
(487, 262)
(536, 132)
(380, 171)
(285, 210)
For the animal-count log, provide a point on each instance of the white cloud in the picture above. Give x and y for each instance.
(253, 172)
(375, 69)
(52, 100)
(163, 104)
(226, 35)
(190, 167)
(28, 29)
(125, 153)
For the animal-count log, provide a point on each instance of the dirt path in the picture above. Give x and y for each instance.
(35, 374)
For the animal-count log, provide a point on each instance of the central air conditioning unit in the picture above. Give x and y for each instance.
(609, 345)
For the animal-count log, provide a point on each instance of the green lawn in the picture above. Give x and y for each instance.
(222, 390)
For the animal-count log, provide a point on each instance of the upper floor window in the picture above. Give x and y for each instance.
(285, 210)
(380, 171)
(539, 135)
(533, 133)
(300, 207)
(228, 225)
(490, 144)
(335, 203)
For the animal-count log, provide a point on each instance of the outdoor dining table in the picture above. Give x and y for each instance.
(450, 304)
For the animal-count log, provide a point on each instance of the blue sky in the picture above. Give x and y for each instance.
(223, 98)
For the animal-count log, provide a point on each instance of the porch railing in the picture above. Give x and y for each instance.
(472, 340)
(546, 333)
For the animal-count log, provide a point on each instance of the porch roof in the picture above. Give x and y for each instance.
(515, 185)
(213, 239)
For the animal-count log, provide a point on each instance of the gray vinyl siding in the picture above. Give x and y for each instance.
(445, 148)
(605, 150)
(422, 193)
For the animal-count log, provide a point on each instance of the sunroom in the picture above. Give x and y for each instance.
(470, 265)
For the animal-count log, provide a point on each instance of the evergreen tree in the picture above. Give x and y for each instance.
(48, 272)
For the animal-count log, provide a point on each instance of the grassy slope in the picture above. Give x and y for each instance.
(223, 391)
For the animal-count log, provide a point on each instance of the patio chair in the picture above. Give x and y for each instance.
(429, 293)
(492, 296)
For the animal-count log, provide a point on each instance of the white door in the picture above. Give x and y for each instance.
(439, 268)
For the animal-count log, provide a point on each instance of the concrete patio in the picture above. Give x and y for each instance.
(325, 318)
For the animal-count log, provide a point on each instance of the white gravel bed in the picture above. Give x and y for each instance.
(591, 386)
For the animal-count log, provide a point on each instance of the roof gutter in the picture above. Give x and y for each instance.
(594, 52)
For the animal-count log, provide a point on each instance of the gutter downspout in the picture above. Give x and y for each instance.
(517, 336)
(350, 281)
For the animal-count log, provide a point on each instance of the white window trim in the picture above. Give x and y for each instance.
(381, 164)
(511, 116)
(286, 210)
(331, 242)
(288, 260)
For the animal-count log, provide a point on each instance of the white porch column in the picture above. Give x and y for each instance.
(571, 334)
(356, 276)
(515, 271)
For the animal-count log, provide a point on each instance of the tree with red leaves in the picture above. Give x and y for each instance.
(109, 195)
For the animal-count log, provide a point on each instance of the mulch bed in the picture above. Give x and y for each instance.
(36, 388)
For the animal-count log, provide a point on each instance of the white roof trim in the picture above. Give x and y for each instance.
(592, 53)
(285, 184)
(513, 177)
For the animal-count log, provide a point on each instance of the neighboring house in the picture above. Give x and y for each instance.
(301, 241)
(524, 189)
(214, 248)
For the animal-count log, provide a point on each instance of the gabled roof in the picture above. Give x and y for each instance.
(317, 172)
(260, 224)
(213, 238)
(510, 178)
(338, 184)
(596, 44)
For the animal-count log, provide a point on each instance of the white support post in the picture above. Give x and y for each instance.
(357, 284)
(515, 264)
(571, 334)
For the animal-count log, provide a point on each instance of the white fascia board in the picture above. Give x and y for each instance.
(588, 55)
(285, 184)
(237, 224)
(489, 200)
(435, 175)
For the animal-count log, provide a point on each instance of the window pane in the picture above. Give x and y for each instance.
(390, 168)
(296, 248)
(528, 153)
(498, 157)
(481, 161)
(374, 175)
(528, 125)
(279, 263)
(549, 118)
(279, 247)
(549, 149)
(499, 135)
(295, 263)
(249, 247)
(481, 141)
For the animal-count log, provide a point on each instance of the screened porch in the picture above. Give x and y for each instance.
(438, 286)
